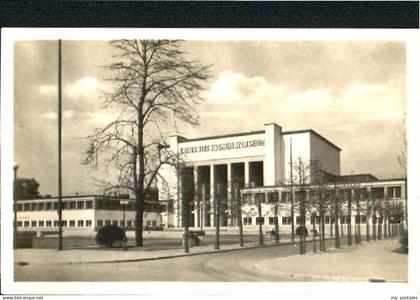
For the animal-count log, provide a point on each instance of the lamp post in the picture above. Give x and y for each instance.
(15, 168)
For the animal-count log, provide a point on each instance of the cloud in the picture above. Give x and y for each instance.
(254, 96)
(87, 87)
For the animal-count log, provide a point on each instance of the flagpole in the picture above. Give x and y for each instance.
(59, 206)
(291, 193)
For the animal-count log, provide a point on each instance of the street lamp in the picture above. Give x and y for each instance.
(15, 168)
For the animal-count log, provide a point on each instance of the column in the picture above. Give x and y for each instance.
(178, 205)
(246, 173)
(212, 195)
(197, 213)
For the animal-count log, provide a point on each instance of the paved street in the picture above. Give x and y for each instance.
(279, 263)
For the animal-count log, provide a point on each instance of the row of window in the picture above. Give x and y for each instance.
(101, 223)
(273, 197)
(327, 220)
(49, 223)
(81, 223)
(75, 205)
(43, 206)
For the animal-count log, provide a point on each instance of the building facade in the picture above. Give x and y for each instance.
(85, 214)
(267, 162)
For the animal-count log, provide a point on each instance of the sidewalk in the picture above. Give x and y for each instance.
(106, 255)
(367, 261)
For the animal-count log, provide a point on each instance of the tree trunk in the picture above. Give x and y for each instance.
(380, 228)
(337, 233)
(349, 234)
(186, 219)
(239, 216)
(260, 231)
(293, 216)
(374, 220)
(276, 222)
(322, 242)
(367, 229)
(313, 233)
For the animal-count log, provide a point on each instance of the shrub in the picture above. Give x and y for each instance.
(404, 241)
(109, 234)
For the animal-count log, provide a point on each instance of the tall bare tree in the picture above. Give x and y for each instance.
(153, 83)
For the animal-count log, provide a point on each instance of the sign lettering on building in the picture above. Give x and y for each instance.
(223, 146)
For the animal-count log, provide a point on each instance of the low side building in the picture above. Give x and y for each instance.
(375, 205)
(84, 214)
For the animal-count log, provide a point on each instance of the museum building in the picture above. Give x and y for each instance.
(250, 164)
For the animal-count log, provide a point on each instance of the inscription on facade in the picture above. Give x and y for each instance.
(223, 146)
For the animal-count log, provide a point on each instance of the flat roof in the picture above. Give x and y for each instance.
(259, 132)
(222, 136)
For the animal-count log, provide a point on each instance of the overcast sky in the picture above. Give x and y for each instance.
(352, 93)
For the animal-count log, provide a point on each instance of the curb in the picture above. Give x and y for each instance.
(22, 263)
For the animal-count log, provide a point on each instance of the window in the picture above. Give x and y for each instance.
(19, 207)
(64, 205)
(129, 223)
(49, 223)
(394, 192)
(100, 223)
(286, 220)
(80, 205)
(55, 205)
(327, 220)
(26, 224)
(272, 220)
(40, 223)
(72, 223)
(19, 223)
(33, 223)
(154, 223)
(64, 223)
(247, 221)
(122, 223)
(107, 222)
(26, 207)
(55, 223)
(361, 194)
(88, 223)
(99, 204)
(299, 220)
(33, 206)
(317, 220)
(41, 206)
(285, 197)
(48, 206)
(260, 197)
(80, 223)
(362, 219)
(247, 199)
(115, 222)
(72, 205)
(89, 204)
(273, 197)
(258, 220)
